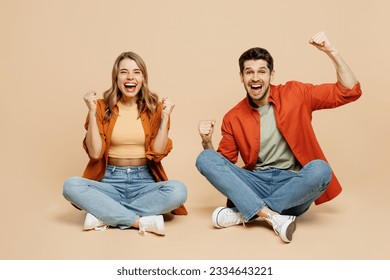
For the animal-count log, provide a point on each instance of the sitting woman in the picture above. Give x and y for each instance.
(124, 184)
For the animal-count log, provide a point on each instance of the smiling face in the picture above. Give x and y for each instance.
(130, 78)
(257, 77)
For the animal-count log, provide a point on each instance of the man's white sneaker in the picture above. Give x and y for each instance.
(153, 224)
(91, 222)
(226, 217)
(283, 225)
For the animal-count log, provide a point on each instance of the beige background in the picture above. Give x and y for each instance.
(52, 52)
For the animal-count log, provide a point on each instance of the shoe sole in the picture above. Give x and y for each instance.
(288, 229)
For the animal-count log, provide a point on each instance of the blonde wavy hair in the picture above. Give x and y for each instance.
(146, 101)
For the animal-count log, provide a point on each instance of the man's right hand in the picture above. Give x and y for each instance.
(206, 129)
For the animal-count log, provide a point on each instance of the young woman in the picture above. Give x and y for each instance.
(124, 184)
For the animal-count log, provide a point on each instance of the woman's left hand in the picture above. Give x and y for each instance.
(168, 106)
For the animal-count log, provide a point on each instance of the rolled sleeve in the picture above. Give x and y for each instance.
(327, 96)
(99, 117)
(151, 154)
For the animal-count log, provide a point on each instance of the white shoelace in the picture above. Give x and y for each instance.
(235, 217)
(277, 221)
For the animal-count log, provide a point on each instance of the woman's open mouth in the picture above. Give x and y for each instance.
(130, 86)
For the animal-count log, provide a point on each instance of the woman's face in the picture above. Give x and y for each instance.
(130, 78)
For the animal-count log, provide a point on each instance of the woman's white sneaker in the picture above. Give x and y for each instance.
(93, 223)
(153, 224)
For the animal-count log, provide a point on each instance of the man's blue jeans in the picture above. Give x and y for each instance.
(125, 194)
(283, 191)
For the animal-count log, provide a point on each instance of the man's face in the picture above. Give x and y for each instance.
(256, 78)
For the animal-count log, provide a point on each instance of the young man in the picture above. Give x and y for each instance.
(285, 169)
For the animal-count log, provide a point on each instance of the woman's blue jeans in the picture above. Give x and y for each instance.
(283, 191)
(125, 194)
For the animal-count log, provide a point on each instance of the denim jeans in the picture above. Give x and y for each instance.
(125, 194)
(283, 191)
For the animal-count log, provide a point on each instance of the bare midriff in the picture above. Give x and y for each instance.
(127, 161)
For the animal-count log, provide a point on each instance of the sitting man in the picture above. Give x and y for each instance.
(285, 169)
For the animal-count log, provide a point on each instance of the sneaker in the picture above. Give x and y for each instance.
(153, 224)
(226, 217)
(283, 225)
(91, 222)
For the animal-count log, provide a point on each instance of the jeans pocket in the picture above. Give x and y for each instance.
(110, 170)
(107, 174)
(144, 175)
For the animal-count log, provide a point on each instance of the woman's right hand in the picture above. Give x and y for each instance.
(93, 140)
(91, 100)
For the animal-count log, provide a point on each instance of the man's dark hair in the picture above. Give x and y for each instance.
(256, 54)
